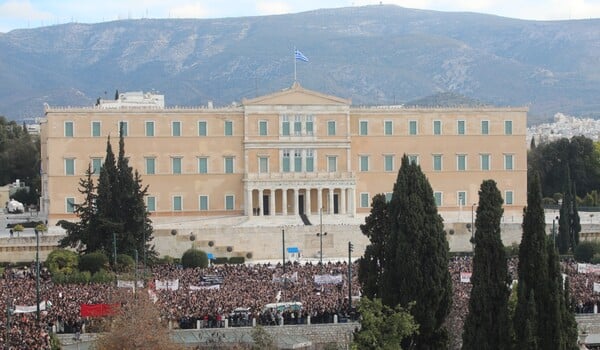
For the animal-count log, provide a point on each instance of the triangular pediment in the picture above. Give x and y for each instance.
(296, 95)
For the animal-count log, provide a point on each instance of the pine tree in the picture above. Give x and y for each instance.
(371, 265)
(416, 258)
(532, 268)
(487, 323)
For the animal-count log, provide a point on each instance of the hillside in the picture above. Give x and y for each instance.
(380, 54)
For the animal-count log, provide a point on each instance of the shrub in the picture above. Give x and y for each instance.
(103, 276)
(595, 259)
(125, 263)
(194, 258)
(62, 260)
(237, 260)
(76, 277)
(165, 260)
(18, 228)
(585, 251)
(220, 260)
(512, 250)
(93, 262)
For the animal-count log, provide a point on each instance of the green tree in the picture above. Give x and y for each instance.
(569, 224)
(93, 262)
(62, 261)
(194, 258)
(416, 259)
(486, 325)
(382, 327)
(371, 265)
(570, 331)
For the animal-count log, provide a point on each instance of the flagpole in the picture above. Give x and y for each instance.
(294, 64)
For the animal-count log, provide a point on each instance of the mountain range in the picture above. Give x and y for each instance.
(373, 55)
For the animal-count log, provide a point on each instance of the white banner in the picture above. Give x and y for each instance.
(166, 284)
(214, 286)
(24, 309)
(465, 277)
(129, 284)
(328, 279)
(293, 277)
(588, 268)
(596, 287)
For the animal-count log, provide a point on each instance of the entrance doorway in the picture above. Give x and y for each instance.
(266, 208)
(301, 204)
(335, 204)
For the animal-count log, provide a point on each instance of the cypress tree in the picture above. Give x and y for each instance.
(575, 226)
(487, 323)
(372, 264)
(416, 259)
(553, 336)
(532, 268)
(570, 330)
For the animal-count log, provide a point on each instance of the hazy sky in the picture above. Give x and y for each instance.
(36, 13)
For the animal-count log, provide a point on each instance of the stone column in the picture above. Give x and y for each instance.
(343, 200)
(319, 198)
(272, 202)
(248, 202)
(307, 201)
(353, 201)
(260, 202)
(284, 201)
(296, 201)
(330, 201)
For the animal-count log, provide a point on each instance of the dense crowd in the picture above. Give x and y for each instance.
(241, 295)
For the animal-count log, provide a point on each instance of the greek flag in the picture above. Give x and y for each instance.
(300, 56)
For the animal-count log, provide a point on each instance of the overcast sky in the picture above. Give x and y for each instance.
(36, 13)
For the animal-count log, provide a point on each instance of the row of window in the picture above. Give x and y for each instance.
(303, 161)
(461, 198)
(300, 126)
(176, 203)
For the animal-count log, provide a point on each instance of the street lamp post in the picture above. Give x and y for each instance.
(37, 273)
(9, 312)
(283, 249)
(473, 225)
(350, 249)
(321, 234)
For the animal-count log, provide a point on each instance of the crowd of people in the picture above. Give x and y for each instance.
(230, 294)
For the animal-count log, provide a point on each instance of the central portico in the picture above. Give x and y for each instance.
(297, 154)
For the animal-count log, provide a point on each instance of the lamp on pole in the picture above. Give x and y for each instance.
(9, 312)
(283, 248)
(37, 273)
(473, 225)
(321, 234)
(350, 249)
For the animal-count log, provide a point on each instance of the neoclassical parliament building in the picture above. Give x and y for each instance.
(289, 153)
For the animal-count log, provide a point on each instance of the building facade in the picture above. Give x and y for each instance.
(292, 152)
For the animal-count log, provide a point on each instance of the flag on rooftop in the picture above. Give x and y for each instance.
(300, 56)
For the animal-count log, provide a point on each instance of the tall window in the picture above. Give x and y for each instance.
(437, 127)
(263, 165)
(508, 130)
(202, 165)
(388, 127)
(508, 162)
(202, 128)
(285, 125)
(150, 129)
(298, 125)
(485, 161)
(485, 127)
(461, 198)
(508, 197)
(460, 127)
(331, 128)
(297, 160)
(412, 127)
(364, 200)
(151, 203)
(96, 165)
(176, 128)
(331, 164)
(96, 129)
(413, 159)
(438, 198)
(228, 128)
(177, 203)
(70, 204)
(309, 125)
(203, 202)
(69, 166)
(68, 129)
(150, 165)
(229, 202)
(176, 165)
(285, 161)
(388, 162)
(364, 163)
(228, 165)
(310, 160)
(461, 162)
(124, 128)
(364, 127)
(437, 162)
(262, 128)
